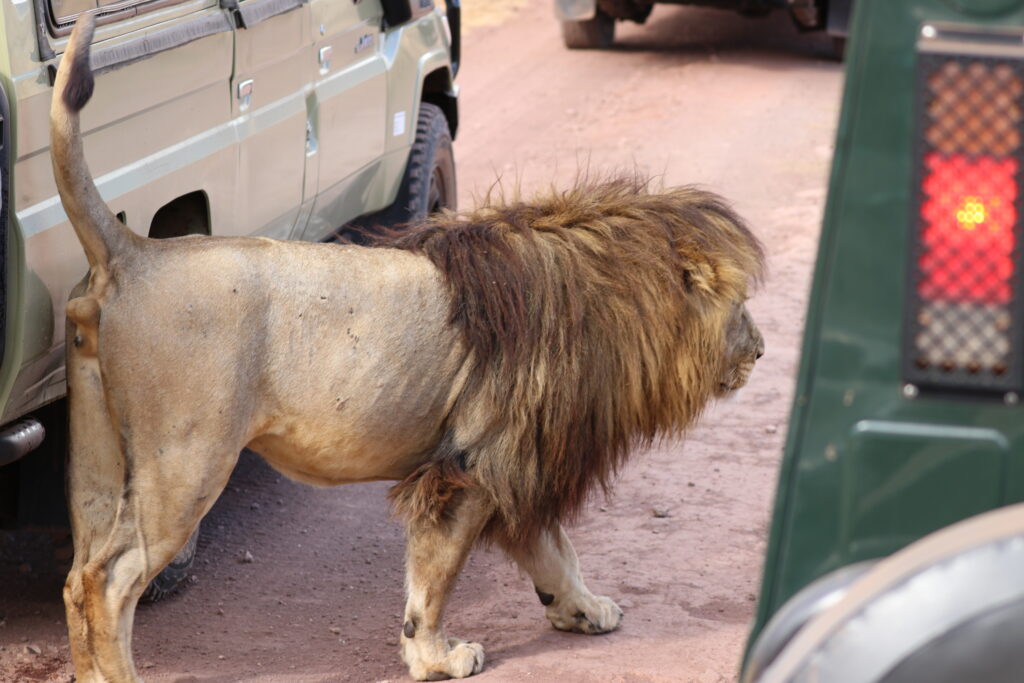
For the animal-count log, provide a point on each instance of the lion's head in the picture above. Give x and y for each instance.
(743, 346)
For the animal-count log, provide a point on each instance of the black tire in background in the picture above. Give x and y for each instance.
(174, 574)
(591, 34)
(428, 184)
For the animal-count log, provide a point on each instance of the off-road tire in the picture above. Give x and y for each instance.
(174, 574)
(428, 184)
(592, 34)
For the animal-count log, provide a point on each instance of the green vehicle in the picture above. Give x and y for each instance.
(590, 24)
(907, 416)
(281, 118)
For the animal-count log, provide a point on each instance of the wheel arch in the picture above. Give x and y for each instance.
(187, 214)
(439, 89)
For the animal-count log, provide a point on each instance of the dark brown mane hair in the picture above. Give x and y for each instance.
(595, 321)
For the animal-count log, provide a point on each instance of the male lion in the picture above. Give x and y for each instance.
(499, 365)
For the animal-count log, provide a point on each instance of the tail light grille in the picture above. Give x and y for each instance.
(963, 330)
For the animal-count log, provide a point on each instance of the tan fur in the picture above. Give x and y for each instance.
(499, 365)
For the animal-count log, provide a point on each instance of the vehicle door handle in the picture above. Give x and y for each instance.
(325, 59)
(244, 94)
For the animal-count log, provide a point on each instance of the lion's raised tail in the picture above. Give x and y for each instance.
(595, 319)
(97, 228)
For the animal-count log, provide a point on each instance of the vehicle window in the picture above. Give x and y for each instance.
(66, 9)
(62, 13)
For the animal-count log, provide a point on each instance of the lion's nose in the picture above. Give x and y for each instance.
(760, 352)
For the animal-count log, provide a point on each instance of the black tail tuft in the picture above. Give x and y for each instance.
(80, 79)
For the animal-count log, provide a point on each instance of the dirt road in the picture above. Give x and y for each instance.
(745, 107)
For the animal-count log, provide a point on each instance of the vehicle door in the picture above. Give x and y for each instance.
(351, 95)
(274, 69)
(157, 129)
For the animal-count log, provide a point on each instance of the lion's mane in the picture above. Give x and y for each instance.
(595, 321)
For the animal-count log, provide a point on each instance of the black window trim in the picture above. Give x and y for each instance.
(244, 15)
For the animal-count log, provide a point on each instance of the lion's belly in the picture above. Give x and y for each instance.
(327, 461)
(371, 373)
(359, 437)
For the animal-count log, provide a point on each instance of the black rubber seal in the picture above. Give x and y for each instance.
(455, 25)
(6, 154)
(255, 11)
(46, 52)
(148, 45)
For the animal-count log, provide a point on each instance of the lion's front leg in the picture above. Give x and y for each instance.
(436, 553)
(568, 603)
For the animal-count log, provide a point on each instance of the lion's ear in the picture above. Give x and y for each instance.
(700, 277)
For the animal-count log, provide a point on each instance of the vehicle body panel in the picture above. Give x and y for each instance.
(870, 463)
(411, 54)
(575, 10)
(276, 58)
(351, 93)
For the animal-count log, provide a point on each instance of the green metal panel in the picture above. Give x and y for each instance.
(866, 469)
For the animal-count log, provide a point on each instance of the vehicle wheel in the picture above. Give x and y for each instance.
(591, 34)
(428, 184)
(173, 575)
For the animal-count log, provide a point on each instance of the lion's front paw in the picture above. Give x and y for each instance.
(591, 615)
(460, 660)
(464, 659)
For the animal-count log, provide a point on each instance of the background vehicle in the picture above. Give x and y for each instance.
(590, 24)
(907, 414)
(282, 118)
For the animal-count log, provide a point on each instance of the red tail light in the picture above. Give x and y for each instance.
(968, 217)
(962, 331)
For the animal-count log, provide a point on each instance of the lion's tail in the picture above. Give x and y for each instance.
(595, 322)
(99, 231)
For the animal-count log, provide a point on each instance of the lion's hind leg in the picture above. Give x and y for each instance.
(135, 497)
(161, 501)
(568, 604)
(437, 550)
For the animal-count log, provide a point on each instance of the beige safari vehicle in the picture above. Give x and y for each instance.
(282, 118)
